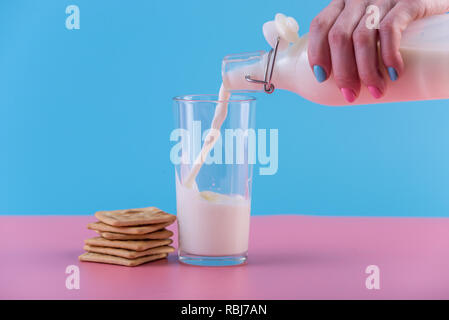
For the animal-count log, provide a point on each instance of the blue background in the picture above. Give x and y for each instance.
(85, 115)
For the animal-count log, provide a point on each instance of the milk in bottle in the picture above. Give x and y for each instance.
(424, 48)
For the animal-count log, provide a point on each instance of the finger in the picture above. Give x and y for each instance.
(318, 47)
(390, 33)
(344, 65)
(365, 38)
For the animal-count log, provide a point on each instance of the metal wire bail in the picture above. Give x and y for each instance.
(268, 87)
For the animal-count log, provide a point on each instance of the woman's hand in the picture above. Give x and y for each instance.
(343, 41)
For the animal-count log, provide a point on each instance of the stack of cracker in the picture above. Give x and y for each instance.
(129, 237)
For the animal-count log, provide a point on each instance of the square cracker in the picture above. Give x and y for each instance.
(128, 254)
(161, 234)
(134, 217)
(136, 245)
(104, 258)
(100, 226)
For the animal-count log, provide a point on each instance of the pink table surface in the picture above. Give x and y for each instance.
(290, 257)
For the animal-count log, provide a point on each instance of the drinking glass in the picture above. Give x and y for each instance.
(213, 209)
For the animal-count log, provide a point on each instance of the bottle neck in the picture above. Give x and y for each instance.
(256, 71)
(242, 72)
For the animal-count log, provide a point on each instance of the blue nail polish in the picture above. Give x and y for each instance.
(319, 72)
(392, 73)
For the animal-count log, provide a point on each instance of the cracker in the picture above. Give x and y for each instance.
(100, 226)
(129, 254)
(134, 217)
(136, 245)
(104, 258)
(161, 234)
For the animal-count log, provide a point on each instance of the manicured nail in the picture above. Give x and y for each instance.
(392, 73)
(319, 72)
(348, 94)
(375, 92)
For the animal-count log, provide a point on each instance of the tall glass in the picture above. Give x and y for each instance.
(213, 206)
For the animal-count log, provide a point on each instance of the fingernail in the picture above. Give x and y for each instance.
(348, 94)
(319, 72)
(375, 92)
(392, 73)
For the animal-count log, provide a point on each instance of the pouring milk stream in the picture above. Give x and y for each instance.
(425, 51)
(424, 48)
